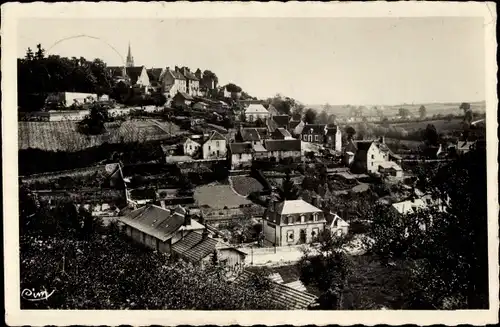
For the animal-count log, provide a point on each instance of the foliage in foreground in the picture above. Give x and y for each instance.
(449, 255)
(91, 267)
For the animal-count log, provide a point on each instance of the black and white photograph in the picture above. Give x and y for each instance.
(203, 163)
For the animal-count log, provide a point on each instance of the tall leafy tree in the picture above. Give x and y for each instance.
(310, 116)
(327, 269)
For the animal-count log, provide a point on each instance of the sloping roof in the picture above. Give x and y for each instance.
(189, 75)
(283, 145)
(194, 248)
(297, 285)
(331, 130)
(272, 110)
(284, 132)
(154, 74)
(465, 145)
(281, 120)
(276, 277)
(216, 136)
(249, 134)
(176, 74)
(282, 295)
(294, 123)
(185, 95)
(314, 129)
(256, 108)
(155, 221)
(259, 148)
(116, 71)
(295, 206)
(363, 145)
(390, 165)
(238, 148)
(134, 72)
(406, 207)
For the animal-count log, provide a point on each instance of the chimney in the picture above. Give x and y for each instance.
(177, 68)
(168, 69)
(187, 220)
(204, 234)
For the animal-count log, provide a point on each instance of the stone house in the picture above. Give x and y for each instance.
(281, 149)
(192, 82)
(292, 222)
(173, 82)
(256, 111)
(191, 147)
(182, 99)
(215, 146)
(372, 157)
(240, 155)
(329, 135)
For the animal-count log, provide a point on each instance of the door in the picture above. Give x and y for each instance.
(302, 236)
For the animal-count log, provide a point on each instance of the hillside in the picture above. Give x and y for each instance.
(64, 135)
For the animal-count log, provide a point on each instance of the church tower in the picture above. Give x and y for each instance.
(130, 59)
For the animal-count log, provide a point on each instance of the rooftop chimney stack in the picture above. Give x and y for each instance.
(187, 220)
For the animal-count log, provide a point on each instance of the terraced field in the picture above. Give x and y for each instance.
(64, 135)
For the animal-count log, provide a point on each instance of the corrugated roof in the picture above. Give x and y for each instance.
(295, 206)
(282, 295)
(283, 145)
(194, 248)
(297, 285)
(276, 277)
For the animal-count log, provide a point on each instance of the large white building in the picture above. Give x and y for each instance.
(256, 111)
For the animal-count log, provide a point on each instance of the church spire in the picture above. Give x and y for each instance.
(130, 59)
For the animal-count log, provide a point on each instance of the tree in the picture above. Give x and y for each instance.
(289, 189)
(465, 106)
(431, 135)
(233, 88)
(327, 269)
(322, 117)
(445, 274)
(404, 112)
(422, 111)
(350, 131)
(94, 121)
(310, 116)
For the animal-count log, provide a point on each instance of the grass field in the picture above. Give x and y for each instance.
(218, 196)
(442, 125)
(244, 185)
(64, 135)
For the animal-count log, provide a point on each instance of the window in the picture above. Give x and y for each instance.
(302, 219)
(373, 156)
(289, 236)
(316, 137)
(190, 147)
(315, 216)
(217, 143)
(209, 148)
(304, 137)
(315, 232)
(289, 219)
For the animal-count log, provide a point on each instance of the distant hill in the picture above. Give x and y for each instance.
(432, 108)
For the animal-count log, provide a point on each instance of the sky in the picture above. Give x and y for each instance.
(357, 61)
